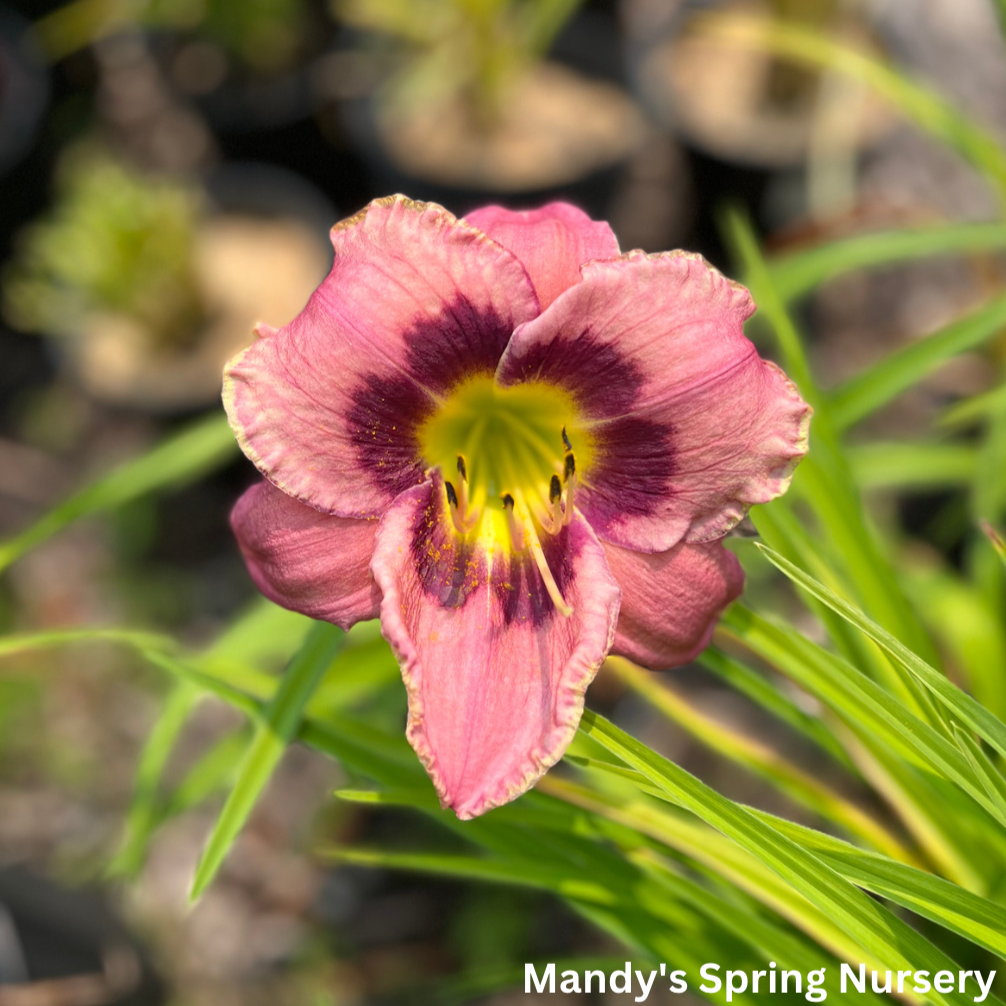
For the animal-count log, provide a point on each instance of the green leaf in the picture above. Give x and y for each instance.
(797, 273)
(712, 850)
(984, 770)
(998, 542)
(761, 691)
(568, 884)
(185, 457)
(975, 918)
(28, 641)
(763, 761)
(974, 409)
(877, 385)
(880, 465)
(272, 735)
(970, 628)
(928, 110)
(881, 933)
(142, 817)
(959, 703)
(868, 707)
(824, 478)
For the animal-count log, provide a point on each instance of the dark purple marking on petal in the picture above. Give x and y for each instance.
(388, 410)
(450, 568)
(384, 422)
(633, 464)
(521, 592)
(463, 342)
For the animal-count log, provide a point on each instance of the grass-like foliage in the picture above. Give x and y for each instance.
(889, 669)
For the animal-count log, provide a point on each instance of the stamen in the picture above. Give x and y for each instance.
(569, 476)
(516, 531)
(463, 483)
(565, 440)
(555, 498)
(456, 517)
(539, 557)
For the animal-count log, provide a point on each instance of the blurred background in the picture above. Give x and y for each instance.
(169, 170)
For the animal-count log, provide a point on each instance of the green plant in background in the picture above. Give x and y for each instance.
(471, 48)
(906, 668)
(262, 34)
(115, 242)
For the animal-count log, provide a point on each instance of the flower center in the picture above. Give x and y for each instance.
(510, 459)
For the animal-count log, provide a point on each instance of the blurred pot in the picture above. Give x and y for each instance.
(64, 948)
(740, 105)
(565, 131)
(258, 257)
(24, 88)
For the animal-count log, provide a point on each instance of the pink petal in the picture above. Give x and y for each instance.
(672, 600)
(691, 426)
(306, 560)
(495, 675)
(328, 407)
(551, 242)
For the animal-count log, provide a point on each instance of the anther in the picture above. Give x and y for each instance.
(565, 440)
(452, 496)
(516, 531)
(569, 477)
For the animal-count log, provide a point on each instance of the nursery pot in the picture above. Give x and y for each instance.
(24, 88)
(741, 105)
(60, 947)
(260, 253)
(564, 131)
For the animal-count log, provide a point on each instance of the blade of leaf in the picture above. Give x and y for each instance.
(928, 110)
(989, 775)
(198, 449)
(141, 819)
(761, 691)
(880, 465)
(975, 918)
(277, 728)
(959, 703)
(877, 930)
(877, 385)
(764, 762)
(797, 273)
(860, 701)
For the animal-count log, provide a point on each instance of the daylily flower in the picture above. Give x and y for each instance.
(519, 447)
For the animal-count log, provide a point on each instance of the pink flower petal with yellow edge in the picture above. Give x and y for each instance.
(495, 674)
(689, 426)
(306, 560)
(672, 600)
(551, 243)
(329, 406)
